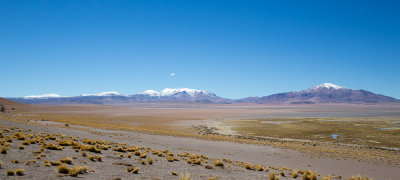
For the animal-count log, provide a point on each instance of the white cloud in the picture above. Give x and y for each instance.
(172, 74)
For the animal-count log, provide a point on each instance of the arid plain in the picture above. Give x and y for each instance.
(220, 141)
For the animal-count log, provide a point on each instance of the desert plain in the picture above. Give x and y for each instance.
(200, 141)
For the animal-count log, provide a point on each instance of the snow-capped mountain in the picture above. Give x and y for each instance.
(178, 95)
(174, 92)
(167, 95)
(323, 93)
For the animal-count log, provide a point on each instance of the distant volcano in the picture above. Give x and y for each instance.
(324, 93)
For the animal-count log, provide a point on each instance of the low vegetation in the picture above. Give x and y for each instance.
(44, 145)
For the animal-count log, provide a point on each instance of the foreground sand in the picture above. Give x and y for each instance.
(113, 167)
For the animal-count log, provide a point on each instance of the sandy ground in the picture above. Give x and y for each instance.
(161, 169)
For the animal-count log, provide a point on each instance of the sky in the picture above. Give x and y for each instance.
(232, 48)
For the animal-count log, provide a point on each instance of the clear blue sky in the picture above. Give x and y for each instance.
(232, 48)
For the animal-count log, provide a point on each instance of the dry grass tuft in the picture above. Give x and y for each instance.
(143, 155)
(273, 176)
(4, 150)
(136, 170)
(63, 169)
(10, 172)
(99, 158)
(218, 162)
(77, 170)
(66, 160)
(150, 160)
(197, 161)
(52, 146)
(248, 166)
(47, 164)
(295, 173)
(174, 173)
(20, 172)
(91, 157)
(137, 153)
(310, 175)
(185, 176)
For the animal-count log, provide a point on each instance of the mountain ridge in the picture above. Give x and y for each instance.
(321, 93)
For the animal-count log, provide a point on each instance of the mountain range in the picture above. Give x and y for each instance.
(322, 93)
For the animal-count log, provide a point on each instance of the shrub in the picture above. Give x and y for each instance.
(192, 156)
(10, 172)
(272, 176)
(295, 173)
(248, 166)
(185, 176)
(66, 160)
(174, 173)
(99, 158)
(91, 157)
(310, 175)
(144, 155)
(197, 161)
(20, 172)
(130, 169)
(136, 170)
(52, 146)
(83, 153)
(63, 169)
(150, 160)
(67, 142)
(55, 163)
(137, 153)
(46, 163)
(77, 170)
(218, 163)
(90, 148)
(4, 150)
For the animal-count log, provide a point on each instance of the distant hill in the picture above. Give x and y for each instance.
(9, 105)
(322, 93)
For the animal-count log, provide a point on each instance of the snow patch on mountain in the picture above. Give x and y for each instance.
(150, 93)
(42, 96)
(171, 92)
(326, 85)
(111, 93)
